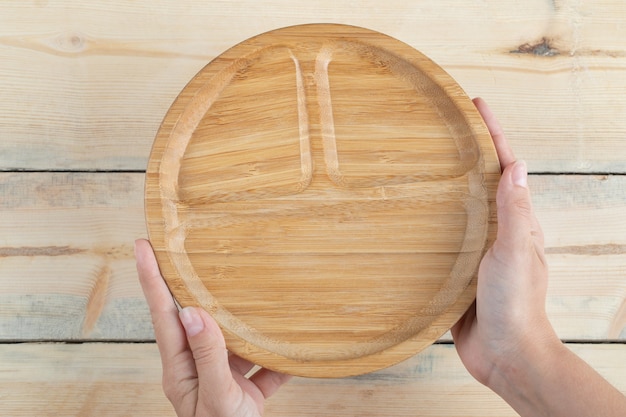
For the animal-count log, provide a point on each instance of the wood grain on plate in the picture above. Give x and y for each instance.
(67, 270)
(91, 75)
(85, 86)
(326, 192)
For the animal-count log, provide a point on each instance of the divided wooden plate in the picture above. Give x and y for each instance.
(326, 192)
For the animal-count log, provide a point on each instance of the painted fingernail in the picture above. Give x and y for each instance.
(520, 174)
(191, 320)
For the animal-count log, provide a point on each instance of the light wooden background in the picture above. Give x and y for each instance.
(84, 86)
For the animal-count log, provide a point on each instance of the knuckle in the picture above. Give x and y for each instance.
(172, 385)
(206, 353)
(523, 206)
(280, 379)
(170, 389)
(516, 207)
(178, 391)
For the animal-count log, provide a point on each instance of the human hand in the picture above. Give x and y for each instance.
(508, 318)
(200, 378)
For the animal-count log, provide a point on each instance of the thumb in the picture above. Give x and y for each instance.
(210, 355)
(516, 220)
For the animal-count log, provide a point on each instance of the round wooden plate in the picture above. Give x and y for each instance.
(326, 192)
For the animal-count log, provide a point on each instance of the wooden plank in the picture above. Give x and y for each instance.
(584, 221)
(86, 85)
(100, 379)
(67, 269)
(81, 380)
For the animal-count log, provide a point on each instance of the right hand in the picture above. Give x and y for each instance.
(508, 317)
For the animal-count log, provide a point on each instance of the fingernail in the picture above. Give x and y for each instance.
(192, 322)
(520, 174)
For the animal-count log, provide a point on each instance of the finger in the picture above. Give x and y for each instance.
(465, 323)
(154, 288)
(208, 347)
(503, 149)
(268, 381)
(168, 331)
(240, 365)
(537, 233)
(505, 154)
(516, 220)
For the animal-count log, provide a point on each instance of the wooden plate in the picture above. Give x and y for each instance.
(326, 193)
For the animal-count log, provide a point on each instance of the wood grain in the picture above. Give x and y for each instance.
(585, 234)
(62, 231)
(66, 257)
(110, 380)
(327, 192)
(81, 380)
(85, 86)
(79, 77)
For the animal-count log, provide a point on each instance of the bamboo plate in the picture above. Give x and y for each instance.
(326, 192)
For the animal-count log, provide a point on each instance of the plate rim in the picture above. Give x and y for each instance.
(271, 360)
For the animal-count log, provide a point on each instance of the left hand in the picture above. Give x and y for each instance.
(200, 378)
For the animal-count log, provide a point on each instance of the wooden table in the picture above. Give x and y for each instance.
(84, 87)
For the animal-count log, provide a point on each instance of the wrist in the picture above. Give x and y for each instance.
(520, 377)
(547, 379)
